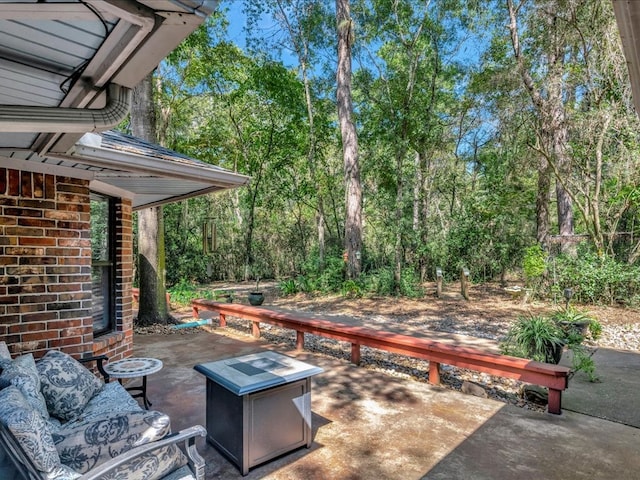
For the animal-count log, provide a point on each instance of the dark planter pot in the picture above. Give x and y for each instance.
(256, 298)
(553, 353)
(581, 327)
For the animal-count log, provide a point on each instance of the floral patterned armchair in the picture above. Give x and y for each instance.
(59, 422)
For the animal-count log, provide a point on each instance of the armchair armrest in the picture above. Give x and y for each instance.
(99, 359)
(188, 435)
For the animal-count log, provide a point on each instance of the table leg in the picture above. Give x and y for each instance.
(145, 400)
(142, 392)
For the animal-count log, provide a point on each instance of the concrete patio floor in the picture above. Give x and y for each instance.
(370, 425)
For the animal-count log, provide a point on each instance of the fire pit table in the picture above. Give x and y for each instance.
(258, 406)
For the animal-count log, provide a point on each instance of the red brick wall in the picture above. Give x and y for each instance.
(45, 267)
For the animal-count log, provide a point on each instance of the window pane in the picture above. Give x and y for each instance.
(101, 263)
(100, 288)
(99, 228)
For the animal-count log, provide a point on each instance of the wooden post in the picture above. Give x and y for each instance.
(355, 353)
(223, 319)
(299, 340)
(434, 373)
(464, 283)
(555, 401)
(438, 282)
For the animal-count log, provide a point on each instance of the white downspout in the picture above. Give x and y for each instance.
(28, 119)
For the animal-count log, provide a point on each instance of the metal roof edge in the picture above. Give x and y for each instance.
(201, 8)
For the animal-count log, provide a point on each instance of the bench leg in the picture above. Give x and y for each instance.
(555, 401)
(255, 330)
(299, 341)
(434, 373)
(223, 319)
(194, 312)
(355, 353)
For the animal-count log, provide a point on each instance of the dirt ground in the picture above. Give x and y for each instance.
(487, 302)
(488, 313)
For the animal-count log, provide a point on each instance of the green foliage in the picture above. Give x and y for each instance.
(449, 175)
(185, 291)
(327, 277)
(534, 263)
(289, 287)
(581, 361)
(598, 279)
(534, 337)
(352, 289)
(542, 337)
(577, 324)
(382, 282)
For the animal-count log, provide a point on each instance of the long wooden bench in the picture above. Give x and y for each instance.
(554, 377)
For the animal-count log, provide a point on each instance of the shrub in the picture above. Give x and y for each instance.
(598, 280)
(351, 289)
(383, 282)
(543, 338)
(534, 264)
(536, 337)
(184, 291)
(289, 287)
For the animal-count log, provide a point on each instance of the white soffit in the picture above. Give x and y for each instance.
(628, 18)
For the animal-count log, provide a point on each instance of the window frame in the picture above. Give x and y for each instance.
(109, 305)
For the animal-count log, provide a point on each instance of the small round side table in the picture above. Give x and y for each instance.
(133, 367)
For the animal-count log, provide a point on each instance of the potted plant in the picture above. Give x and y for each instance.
(578, 327)
(535, 337)
(256, 297)
(544, 339)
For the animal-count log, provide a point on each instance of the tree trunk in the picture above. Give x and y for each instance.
(543, 221)
(398, 248)
(151, 267)
(151, 259)
(353, 188)
(552, 131)
(563, 198)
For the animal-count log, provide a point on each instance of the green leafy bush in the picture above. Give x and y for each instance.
(352, 289)
(382, 282)
(326, 277)
(543, 338)
(536, 337)
(184, 291)
(289, 287)
(534, 263)
(598, 280)
(574, 321)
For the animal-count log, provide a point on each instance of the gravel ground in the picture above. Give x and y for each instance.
(489, 315)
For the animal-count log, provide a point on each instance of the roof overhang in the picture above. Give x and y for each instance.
(628, 18)
(120, 170)
(66, 54)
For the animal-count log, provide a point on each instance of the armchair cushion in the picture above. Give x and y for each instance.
(67, 386)
(154, 465)
(85, 445)
(29, 429)
(4, 351)
(113, 398)
(23, 374)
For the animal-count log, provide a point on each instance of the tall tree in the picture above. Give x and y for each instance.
(548, 99)
(300, 20)
(151, 254)
(353, 187)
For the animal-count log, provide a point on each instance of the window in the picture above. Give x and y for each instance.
(102, 262)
